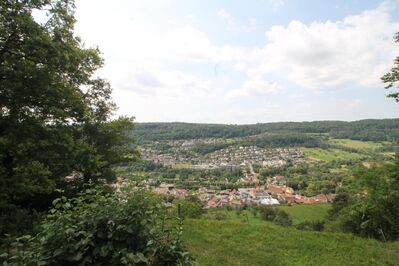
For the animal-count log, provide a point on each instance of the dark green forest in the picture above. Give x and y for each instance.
(367, 130)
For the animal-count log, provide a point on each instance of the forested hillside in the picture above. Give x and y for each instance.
(367, 130)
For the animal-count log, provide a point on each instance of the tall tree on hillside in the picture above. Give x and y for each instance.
(373, 211)
(55, 118)
(392, 78)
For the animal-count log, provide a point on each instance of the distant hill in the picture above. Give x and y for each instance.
(366, 130)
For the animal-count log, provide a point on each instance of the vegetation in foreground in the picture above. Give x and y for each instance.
(239, 243)
(100, 228)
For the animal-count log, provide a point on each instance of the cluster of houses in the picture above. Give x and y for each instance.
(259, 195)
(284, 193)
(236, 197)
(235, 156)
(231, 156)
(170, 190)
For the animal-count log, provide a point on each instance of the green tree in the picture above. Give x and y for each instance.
(373, 210)
(275, 215)
(190, 207)
(105, 229)
(55, 118)
(392, 78)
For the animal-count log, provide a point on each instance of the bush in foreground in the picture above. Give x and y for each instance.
(311, 225)
(190, 207)
(371, 209)
(99, 229)
(275, 215)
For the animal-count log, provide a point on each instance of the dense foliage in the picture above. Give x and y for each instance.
(275, 215)
(370, 208)
(55, 117)
(190, 207)
(190, 178)
(313, 179)
(392, 78)
(284, 140)
(105, 229)
(368, 130)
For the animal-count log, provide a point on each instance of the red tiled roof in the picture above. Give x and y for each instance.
(275, 189)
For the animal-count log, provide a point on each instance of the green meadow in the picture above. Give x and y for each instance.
(356, 144)
(330, 154)
(298, 213)
(233, 242)
(301, 213)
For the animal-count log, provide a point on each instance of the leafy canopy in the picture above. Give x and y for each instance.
(392, 78)
(105, 229)
(55, 116)
(371, 209)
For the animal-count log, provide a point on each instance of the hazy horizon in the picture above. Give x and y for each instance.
(304, 121)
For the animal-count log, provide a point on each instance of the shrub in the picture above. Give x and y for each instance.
(106, 229)
(190, 207)
(282, 218)
(220, 215)
(373, 210)
(275, 215)
(17, 221)
(267, 213)
(311, 225)
(254, 211)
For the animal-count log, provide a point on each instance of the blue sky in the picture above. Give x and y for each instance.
(244, 61)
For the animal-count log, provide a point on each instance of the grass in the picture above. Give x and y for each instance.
(181, 165)
(330, 154)
(298, 213)
(301, 213)
(356, 144)
(233, 242)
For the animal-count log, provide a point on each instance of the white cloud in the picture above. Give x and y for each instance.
(146, 63)
(187, 43)
(252, 22)
(162, 84)
(227, 17)
(356, 49)
(276, 4)
(255, 88)
(231, 22)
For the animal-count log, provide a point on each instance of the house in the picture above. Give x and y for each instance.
(179, 193)
(275, 189)
(212, 203)
(167, 186)
(269, 201)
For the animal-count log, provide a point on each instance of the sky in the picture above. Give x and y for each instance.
(244, 62)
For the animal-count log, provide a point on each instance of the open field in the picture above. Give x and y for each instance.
(356, 144)
(330, 154)
(301, 213)
(239, 243)
(181, 165)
